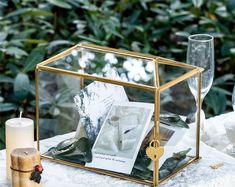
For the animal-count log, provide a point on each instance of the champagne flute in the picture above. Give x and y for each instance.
(201, 53)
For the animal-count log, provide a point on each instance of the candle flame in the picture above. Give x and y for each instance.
(21, 114)
(21, 117)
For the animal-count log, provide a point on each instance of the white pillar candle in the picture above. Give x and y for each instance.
(19, 134)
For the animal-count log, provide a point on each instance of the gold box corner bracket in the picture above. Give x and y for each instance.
(156, 89)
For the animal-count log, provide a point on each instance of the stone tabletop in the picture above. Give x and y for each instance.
(199, 174)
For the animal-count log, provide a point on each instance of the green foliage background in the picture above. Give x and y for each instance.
(33, 30)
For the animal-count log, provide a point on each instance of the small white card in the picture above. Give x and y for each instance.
(121, 136)
(93, 104)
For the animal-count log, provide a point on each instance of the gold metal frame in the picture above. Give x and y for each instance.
(156, 89)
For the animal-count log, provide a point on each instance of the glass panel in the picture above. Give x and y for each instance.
(74, 124)
(56, 106)
(127, 69)
(177, 128)
(168, 73)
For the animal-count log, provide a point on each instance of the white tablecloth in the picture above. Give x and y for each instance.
(197, 174)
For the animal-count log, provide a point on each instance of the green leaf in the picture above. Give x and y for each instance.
(182, 34)
(216, 101)
(142, 161)
(34, 41)
(172, 119)
(3, 3)
(146, 175)
(197, 3)
(181, 154)
(73, 150)
(2, 136)
(15, 51)
(14, 69)
(230, 5)
(232, 51)
(59, 43)
(223, 91)
(36, 56)
(3, 36)
(176, 50)
(161, 30)
(225, 48)
(65, 116)
(221, 11)
(60, 3)
(93, 40)
(171, 163)
(2, 133)
(66, 105)
(29, 12)
(223, 79)
(21, 86)
(2, 145)
(32, 90)
(5, 79)
(6, 107)
(82, 151)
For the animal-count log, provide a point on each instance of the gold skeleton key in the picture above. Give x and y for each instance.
(154, 153)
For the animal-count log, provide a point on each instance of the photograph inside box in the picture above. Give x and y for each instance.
(120, 137)
(113, 134)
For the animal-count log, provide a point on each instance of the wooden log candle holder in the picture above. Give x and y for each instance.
(24, 164)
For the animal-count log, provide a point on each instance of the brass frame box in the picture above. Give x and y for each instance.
(156, 89)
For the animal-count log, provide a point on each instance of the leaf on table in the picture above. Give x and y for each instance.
(171, 163)
(82, 151)
(146, 175)
(142, 161)
(171, 119)
(181, 154)
(73, 150)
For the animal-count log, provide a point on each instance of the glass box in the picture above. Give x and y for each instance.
(134, 118)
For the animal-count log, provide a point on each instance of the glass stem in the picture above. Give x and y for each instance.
(202, 116)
